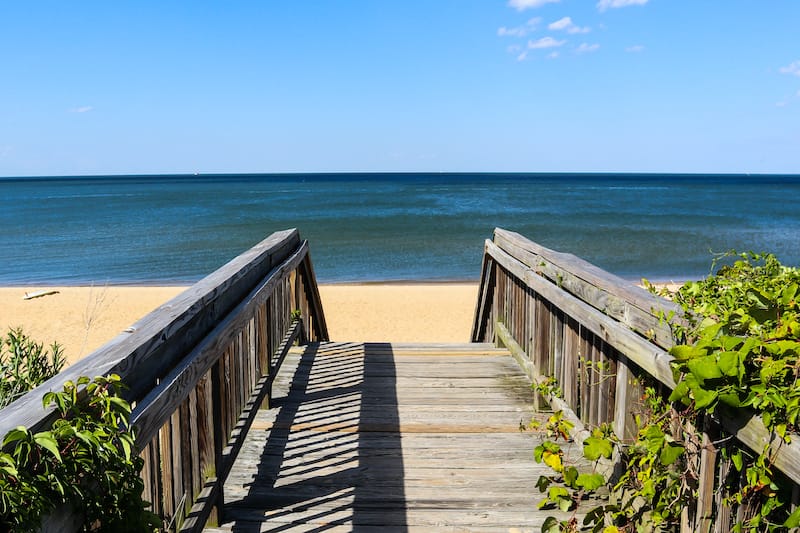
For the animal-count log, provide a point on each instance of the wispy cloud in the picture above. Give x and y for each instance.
(586, 48)
(520, 31)
(544, 42)
(522, 5)
(635, 48)
(566, 24)
(602, 5)
(81, 109)
(792, 68)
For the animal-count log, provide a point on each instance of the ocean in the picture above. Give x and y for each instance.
(385, 227)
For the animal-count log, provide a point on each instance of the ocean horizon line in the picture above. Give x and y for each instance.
(390, 173)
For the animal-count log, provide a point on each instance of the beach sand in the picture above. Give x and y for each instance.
(82, 319)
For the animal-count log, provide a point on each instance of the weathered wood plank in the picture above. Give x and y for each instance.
(647, 355)
(358, 435)
(154, 344)
(631, 305)
(173, 389)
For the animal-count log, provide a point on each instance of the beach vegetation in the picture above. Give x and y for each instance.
(85, 462)
(737, 351)
(25, 364)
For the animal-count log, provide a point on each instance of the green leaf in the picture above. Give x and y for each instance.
(680, 393)
(543, 482)
(653, 438)
(590, 481)
(731, 399)
(793, 520)
(704, 398)
(730, 364)
(705, 368)
(683, 352)
(596, 447)
(16, 434)
(570, 476)
(551, 525)
(45, 440)
(738, 460)
(670, 453)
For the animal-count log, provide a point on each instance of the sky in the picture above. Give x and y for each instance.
(149, 87)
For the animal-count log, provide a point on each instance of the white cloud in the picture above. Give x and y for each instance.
(635, 48)
(520, 31)
(793, 68)
(602, 5)
(523, 56)
(522, 5)
(81, 109)
(545, 42)
(798, 94)
(780, 104)
(553, 55)
(585, 47)
(567, 25)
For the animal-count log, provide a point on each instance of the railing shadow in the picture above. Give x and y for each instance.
(333, 456)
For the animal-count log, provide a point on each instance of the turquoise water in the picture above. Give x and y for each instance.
(379, 227)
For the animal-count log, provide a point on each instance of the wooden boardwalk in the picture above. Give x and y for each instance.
(390, 437)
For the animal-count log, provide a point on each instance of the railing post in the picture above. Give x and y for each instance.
(220, 438)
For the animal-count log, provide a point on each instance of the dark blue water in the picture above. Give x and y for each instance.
(377, 227)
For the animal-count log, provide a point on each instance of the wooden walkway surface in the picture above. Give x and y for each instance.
(390, 437)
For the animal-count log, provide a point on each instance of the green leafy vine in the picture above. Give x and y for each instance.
(739, 348)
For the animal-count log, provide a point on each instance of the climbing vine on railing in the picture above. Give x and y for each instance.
(739, 346)
(85, 461)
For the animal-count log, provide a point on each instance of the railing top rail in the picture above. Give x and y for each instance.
(614, 296)
(152, 346)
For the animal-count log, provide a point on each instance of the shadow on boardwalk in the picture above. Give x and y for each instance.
(390, 437)
(333, 456)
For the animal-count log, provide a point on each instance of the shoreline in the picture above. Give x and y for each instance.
(82, 318)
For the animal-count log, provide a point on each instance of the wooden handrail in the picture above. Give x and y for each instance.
(597, 334)
(196, 368)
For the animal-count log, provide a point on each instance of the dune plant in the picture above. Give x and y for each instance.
(739, 348)
(86, 461)
(25, 364)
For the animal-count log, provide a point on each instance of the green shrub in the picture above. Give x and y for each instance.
(25, 364)
(86, 461)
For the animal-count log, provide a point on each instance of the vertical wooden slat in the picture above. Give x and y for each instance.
(572, 334)
(178, 488)
(165, 451)
(530, 334)
(194, 444)
(187, 467)
(261, 340)
(585, 375)
(156, 477)
(622, 419)
(706, 482)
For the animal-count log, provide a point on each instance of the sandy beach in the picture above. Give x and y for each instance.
(82, 319)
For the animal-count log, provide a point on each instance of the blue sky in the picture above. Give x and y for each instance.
(435, 85)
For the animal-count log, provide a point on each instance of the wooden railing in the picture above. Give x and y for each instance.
(197, 368)
(601, 337)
